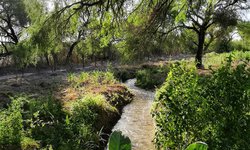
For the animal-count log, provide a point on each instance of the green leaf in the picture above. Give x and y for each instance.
(67, 121)
(197, 146)
(117, 141)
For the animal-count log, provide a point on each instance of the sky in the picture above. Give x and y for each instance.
(246, 15)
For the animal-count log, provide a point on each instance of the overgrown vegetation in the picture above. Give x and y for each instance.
(77, 123)
(32, 124)
(213, 109)
(151, 77)
(123, 74)
(74, 112)
(215, 60)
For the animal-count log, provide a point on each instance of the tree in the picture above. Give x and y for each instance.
(74, 21)
(244, 31)
(195, 15)
(13, 19)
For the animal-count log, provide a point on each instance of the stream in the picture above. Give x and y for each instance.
(136, 121)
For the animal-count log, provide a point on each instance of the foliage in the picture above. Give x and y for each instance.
(196, 16)
(91, 107)
(28, 143)
(11, 125)
(151, 77)
(213, 109)
(117, 141)
(213, 59)
(197, 146)
(239, 45)
(83, 121)
(123, 74)
(243, 28)
(137, 44)
(92, 78)
(13, 19)
(31, 124)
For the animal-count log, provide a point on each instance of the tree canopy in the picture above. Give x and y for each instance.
(126, 28)
(198, 16)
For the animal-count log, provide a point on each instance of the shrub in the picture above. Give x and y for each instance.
(11, 125)
(89, 108)
(42, 123)
(150, 78)
(123, 74)
(29, 144)
(85, 121)
(213, 109)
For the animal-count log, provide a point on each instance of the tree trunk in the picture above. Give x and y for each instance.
(70, 52)
(47, 59)
(55, 60)
(95, 60)
(198, 57)
(83, 61)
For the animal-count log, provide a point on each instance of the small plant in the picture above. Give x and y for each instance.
(84, 77)
(197, 146)
(109, 78)
(117, 141)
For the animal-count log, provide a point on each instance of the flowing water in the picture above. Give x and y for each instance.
(136, 121)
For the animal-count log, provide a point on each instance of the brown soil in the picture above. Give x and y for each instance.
(32, 85)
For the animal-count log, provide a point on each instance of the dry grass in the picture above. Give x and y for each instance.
(43, 85)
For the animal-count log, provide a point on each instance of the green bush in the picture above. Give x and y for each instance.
(84, 119)
(42, 123)
(90, 109)
(123, 74)
(213, 109)
(11, 125)
(150, 78)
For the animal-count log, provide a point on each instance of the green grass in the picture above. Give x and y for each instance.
(216, 59)
(77, 123)
(94, 78)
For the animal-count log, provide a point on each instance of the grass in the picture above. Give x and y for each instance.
(153, 76)
(94, 83)
(74, 116)
(215, 60)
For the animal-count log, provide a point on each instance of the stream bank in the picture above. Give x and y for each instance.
(70, 111)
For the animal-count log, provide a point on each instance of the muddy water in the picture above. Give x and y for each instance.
(136, 121)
